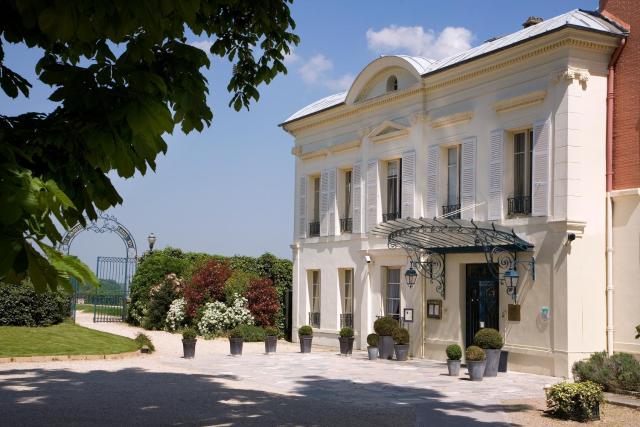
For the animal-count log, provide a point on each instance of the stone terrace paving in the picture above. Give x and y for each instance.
(287, 389)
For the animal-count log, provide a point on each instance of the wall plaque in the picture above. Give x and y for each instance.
(434, 309)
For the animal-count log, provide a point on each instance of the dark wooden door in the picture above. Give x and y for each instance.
(482, 305)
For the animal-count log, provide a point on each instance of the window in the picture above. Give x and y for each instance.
(346, 318)
(346, 222)
(453, 183)
(393, 293)
(520, 203)
(394, 168)
(314, 299)
(314, 225)
(392, 83)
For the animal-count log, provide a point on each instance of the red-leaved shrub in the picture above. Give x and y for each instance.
(263, 301)
(206, 285)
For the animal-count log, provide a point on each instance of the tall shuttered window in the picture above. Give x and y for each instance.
(346, 318)
(394, 191)
(393, 293)
(346, 220)
(453, 183)
(520, 202)
(314, 224)
(314, 299)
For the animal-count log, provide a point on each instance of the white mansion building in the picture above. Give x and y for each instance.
(462, 169)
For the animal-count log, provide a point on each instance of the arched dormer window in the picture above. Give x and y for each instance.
(392, 83)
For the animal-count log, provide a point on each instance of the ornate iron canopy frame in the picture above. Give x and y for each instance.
(427, 241)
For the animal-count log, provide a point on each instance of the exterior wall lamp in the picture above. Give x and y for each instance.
(410, 276)
(511, 276)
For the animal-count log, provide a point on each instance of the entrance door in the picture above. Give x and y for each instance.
(482, 300)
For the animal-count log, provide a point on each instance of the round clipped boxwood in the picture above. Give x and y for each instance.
(346, 332)
(575, 401)
(235, 333)
(189, 334)
(385, 326)
(372, 340)
(305, 330)
(454, 352)
(271, 331)
(488, 338)
(401, 336)
(474, 354)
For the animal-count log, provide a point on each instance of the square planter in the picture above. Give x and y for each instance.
(270, 344)
(492, 362)
(453, 366)
(305, 343)
(402, 352)
(346, 345)
(476, 369)
(189, 348)
(235, 345)
(385, 347)
(372, 350)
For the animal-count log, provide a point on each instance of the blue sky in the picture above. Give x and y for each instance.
(229, 189)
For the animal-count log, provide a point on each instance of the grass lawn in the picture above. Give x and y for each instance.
(104, 309)
(64, 338)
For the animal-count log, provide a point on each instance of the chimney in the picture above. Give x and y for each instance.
(532, 20)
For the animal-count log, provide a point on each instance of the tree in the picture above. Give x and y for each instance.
(263, 301)
(123, 76)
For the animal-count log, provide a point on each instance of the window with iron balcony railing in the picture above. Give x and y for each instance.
(314, 228)
(519, 205)
(346, 225)
(314, 319)
(448, 211)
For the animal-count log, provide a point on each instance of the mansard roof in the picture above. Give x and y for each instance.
(578, 19)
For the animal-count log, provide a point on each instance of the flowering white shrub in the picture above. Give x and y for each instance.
(218, 317)
(176, 314)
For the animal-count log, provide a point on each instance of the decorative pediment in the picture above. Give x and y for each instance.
(521, 101)
(452, 119)
(387, 131)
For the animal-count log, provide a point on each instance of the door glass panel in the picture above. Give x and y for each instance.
(393, 292)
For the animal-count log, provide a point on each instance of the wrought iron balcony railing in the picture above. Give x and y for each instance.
(346, 225)
(390, 216)
(346, 320)
(448, 209)
(519, 205)
(314, 228)
(314, 319)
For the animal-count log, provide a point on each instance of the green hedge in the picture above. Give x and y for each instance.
(620, 372)
(20, 305)
(574, 401)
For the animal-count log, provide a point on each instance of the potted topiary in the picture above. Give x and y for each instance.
(384, 327)
(454, 354)
(305, 333)
(235, 341)
(372, 349)
(189, 343)
(401, 339)
(346, 341)
(270, 339)
(491, 342)
(475, 362)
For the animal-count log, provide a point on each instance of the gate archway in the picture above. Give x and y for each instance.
(109, 302)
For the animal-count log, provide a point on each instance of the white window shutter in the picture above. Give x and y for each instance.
(431, 198)
(408, 183)
(324, 202)
(540, 168)
(302, 207)
(372, 194)
(332, 201)
(468, 178)
(496, 174)
(356, 197)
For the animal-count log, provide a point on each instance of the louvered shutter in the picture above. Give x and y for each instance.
(431, 198)
(540, 168)
(496, 167)
(372, 194)
(302, 207)
(468, 178)
(408, 183)
(356, 197)
(332, 201)
(324, 202)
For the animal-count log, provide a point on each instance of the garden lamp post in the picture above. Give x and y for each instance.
(152, 241)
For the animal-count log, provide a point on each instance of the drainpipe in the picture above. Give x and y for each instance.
(609, 231)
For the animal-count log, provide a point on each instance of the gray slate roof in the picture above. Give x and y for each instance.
(590, 21)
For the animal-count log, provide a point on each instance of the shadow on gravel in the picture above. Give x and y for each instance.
(30, 397)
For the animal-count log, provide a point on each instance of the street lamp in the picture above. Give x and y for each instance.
(511, 277)
(410, 276)
(152, 241)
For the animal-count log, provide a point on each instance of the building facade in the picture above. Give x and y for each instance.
(444, 167)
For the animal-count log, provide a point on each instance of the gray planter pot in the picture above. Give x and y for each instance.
(270, 344)
(385, 347)
(476, 369)
(504, 361)
(189, 348)
(454, 367)
(402, 352)
(305, 343)
(235, 345)
(373, 352)
(493, 361)
(346, 345)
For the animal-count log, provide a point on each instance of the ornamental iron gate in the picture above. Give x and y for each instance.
(108, 303)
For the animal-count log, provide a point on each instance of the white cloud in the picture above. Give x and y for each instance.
(202, 44)
(417, 41)
(317, 70)
(291, 58)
